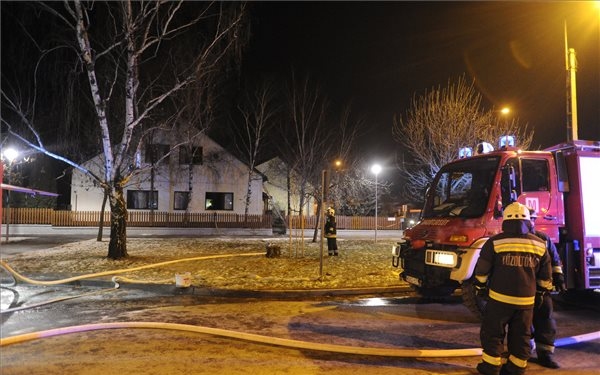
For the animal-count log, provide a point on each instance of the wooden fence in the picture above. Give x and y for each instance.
(48, 216)
(349, 222)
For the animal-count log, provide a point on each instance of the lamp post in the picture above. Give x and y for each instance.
(376, 168)
(571, 66)
(10, 154)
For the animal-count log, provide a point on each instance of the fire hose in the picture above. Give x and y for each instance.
(23, 278)
(269, 340)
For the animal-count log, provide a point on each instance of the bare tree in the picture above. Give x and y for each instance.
(352, 190)
(313, 139)
(442, 121)
(304, 141)
(122, 47)
(258, 111)
(198, 110)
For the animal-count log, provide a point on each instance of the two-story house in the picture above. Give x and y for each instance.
(200, 176)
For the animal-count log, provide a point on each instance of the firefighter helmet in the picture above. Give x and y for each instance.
(516, 211)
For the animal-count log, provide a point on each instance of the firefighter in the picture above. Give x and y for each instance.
(331, 232)
(513, 270)
(544, 325)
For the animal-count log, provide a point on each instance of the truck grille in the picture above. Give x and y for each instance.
(421, 233)
(594, 277)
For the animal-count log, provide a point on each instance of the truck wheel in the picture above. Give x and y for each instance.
(442, 291)
(471, 300)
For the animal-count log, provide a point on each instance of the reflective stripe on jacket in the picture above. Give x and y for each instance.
(514, 266)
(330, 227)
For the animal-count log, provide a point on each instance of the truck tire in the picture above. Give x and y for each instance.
(442, 291)
(471, 300)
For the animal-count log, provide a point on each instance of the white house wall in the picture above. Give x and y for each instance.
(220, 172)
(276, 187)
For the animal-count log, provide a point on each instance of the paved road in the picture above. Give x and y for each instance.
(401, 321)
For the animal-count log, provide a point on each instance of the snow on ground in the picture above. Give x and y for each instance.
(241, 264)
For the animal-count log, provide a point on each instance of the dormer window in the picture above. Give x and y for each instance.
(190, 155)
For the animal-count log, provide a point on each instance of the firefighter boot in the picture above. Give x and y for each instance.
(546, 359)
(510, 368)
(488, 369)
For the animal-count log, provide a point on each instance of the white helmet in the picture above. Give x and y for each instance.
(516, 211)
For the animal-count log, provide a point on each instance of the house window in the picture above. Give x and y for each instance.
(190, 155)
(181, 200)
(219, 201)
(155, 152)
(142, 199)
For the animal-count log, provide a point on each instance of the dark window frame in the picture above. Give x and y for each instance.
(181, 204)
(535, 175)
(195, 158)
(143, 202)
(218, 201)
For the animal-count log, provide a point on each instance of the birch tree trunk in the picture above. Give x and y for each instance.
(117, 246)
(124, 65)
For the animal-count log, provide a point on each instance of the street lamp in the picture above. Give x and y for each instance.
(9, 154)
(375, 169)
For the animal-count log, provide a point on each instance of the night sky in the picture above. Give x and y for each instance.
(379, 54)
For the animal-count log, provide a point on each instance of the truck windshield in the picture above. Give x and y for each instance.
(461, 189)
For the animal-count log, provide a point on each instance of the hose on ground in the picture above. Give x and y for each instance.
(25, 279)
(116, 279)
(269, 340)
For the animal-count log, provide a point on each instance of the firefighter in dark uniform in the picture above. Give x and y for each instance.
(514, 271)
(544, 325)
(331, 232)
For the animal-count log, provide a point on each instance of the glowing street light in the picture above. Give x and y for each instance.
(376, 169)
(10, 155)
(505, 111)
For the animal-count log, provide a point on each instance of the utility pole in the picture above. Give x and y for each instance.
(571, 65)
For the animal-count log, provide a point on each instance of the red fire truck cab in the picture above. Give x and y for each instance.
(463, 208)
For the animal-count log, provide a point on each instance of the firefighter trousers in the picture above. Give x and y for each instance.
(544, 325)
(332, 245)
(497, 317)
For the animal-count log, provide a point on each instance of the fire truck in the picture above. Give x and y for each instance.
(463, 208)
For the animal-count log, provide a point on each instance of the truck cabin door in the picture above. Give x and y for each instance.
(533, 188)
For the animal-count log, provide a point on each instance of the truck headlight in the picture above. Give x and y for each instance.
(441, 258)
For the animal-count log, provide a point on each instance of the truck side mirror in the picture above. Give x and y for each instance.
(508, 185)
